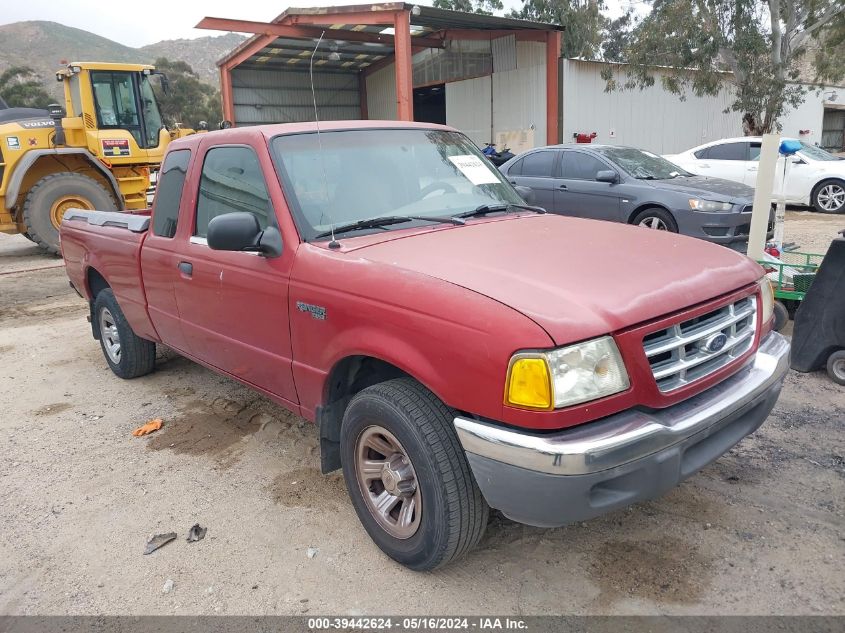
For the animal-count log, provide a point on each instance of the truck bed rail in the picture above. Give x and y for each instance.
(130, 221)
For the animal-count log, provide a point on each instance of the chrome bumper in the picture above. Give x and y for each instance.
(633, 434)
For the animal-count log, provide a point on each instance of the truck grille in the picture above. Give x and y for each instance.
(690, 350)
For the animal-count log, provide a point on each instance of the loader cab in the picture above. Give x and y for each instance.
(116, 109)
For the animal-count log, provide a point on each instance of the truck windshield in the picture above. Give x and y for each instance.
(351, 175)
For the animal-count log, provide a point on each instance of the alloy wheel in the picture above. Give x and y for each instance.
(652, 222)
(388, 482)
(110, 336)
(831, 197)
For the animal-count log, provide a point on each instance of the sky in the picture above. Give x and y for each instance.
(156, 20)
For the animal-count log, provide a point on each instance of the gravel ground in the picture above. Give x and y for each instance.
(760, 531)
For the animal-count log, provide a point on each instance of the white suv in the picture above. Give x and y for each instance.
(816, 177)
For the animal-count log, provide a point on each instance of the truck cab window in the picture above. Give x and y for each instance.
(116, 105)
(169, 192)
(232, 180)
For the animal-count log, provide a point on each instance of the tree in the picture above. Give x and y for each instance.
(760, 42)
(617, 37)
(187, 100)
(484, 7)
(583, 19)
(20, 87)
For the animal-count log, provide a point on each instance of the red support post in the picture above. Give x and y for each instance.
(226, 94)
(553, 42)
(404, 66)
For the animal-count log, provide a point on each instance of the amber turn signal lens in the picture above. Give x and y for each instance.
(529, 384)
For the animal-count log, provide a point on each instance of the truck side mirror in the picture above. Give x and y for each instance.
(240, 231)
(607, 175)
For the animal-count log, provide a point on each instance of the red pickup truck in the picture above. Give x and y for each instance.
(458, 349)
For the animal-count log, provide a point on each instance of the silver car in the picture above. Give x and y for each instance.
(625, 184)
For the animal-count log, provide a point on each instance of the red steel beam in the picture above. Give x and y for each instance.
(553, 43)
(347, 17)
(226, 94)
(403, 67)
(305, 32)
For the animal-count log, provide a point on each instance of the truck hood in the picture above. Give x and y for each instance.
(575, 278)
(708, 188)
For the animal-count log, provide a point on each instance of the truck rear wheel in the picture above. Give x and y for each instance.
(408, 477)
(52, 196)
(128, 355)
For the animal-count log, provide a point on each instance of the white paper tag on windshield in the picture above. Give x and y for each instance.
(474, 169)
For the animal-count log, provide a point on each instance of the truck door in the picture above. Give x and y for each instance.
(159, 256)
(234, 305)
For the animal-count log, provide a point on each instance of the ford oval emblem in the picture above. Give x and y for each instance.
(715, 343)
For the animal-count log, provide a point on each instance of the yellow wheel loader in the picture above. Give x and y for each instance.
(94, 152)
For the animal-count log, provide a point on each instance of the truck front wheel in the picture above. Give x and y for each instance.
(408, 477)
(52, 196)
(128, 355)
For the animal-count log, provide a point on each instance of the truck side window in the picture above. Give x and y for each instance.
(171, 181)
(232, 180)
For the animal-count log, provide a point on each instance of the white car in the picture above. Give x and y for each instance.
(815, 178)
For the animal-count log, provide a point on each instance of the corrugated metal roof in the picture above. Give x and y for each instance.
(425, 21)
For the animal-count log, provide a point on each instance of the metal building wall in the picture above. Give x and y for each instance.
(282, 96)
(518, 102)
(381, 94)
(651, 118)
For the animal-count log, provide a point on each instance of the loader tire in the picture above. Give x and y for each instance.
(52, 196)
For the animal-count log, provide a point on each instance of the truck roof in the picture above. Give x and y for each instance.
(271, 130)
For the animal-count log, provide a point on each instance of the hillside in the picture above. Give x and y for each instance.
(43, 45)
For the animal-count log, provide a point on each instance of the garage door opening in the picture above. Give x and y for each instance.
(430, 104)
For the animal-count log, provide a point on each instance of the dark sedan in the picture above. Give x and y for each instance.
(625, 184)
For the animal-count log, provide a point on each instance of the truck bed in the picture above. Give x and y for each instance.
(107, 244)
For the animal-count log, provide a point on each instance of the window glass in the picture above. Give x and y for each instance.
(115, 100)
(231, 181)
(515, 169)
(702, 153)
(641, 164)
(728, 151)
(343, 177)
(580, 166)
(152, 117)
(538, 164)
(816, 153)
(171, 181)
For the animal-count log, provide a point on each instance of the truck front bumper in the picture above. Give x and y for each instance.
(552, 479)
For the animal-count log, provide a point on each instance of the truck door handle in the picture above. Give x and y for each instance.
(562, 187)
(752, 169)
(186, 268)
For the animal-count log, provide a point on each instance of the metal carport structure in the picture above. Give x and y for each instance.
(358, 42)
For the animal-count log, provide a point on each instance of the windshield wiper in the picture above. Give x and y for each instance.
(387, 220)
(484, 209)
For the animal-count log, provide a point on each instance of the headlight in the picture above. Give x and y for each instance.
(709, 206)
(768, 299)
(565, 376)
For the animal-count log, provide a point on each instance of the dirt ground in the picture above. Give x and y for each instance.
(761, 531)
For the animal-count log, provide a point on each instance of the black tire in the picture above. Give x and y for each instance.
(136, 356)
(454, 514)
(831, 185)
(658, 217)
(781, 316)
(38, 205)
(836, 367)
